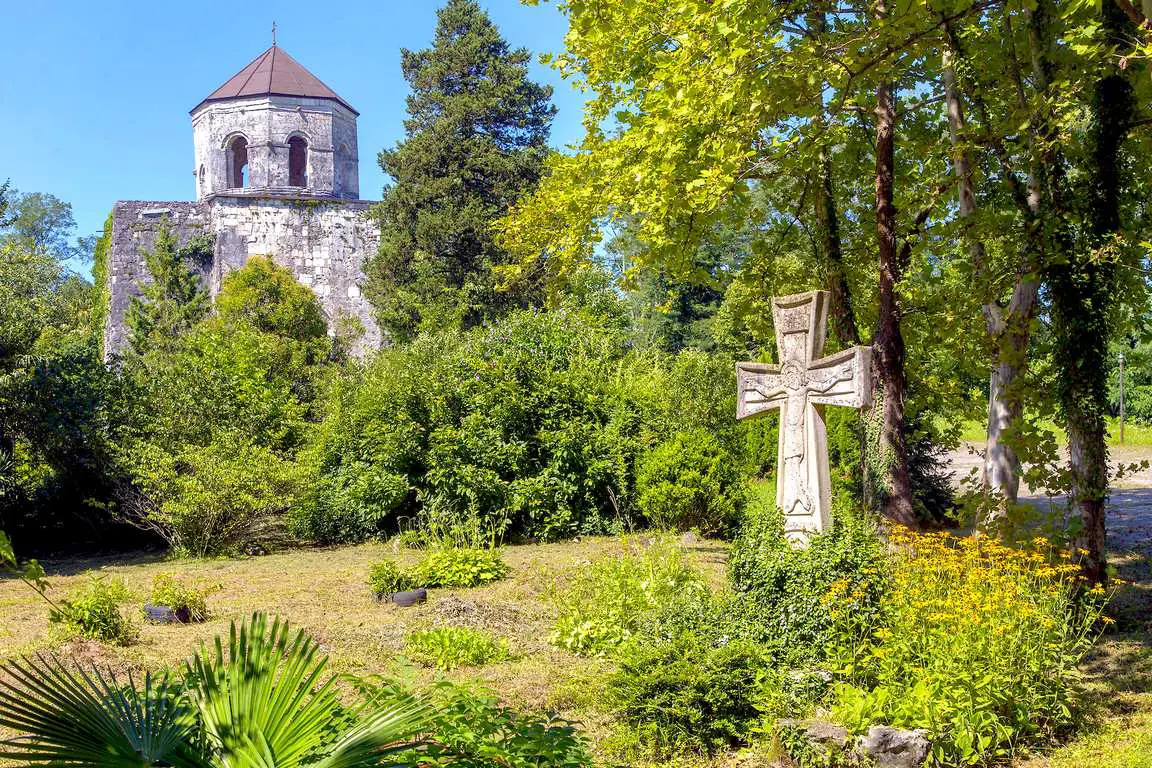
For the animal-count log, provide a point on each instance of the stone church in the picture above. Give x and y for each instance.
(276, 175)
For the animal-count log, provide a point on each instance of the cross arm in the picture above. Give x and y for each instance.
(842, 379)
(759, 388)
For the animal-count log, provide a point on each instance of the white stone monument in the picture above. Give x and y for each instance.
(800, 386)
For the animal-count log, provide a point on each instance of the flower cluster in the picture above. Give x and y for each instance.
(977, 642)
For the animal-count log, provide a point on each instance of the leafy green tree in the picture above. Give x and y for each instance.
(174, 299)
(218, 414)
(55, 395)
(475, 142)
(42, 222)
(271, 299)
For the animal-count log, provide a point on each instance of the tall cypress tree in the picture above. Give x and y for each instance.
(475, 142)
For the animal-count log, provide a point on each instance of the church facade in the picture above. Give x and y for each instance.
(276, 174)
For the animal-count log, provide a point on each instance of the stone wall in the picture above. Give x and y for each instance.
(323, 242)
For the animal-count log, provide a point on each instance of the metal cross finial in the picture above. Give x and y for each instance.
(273, 34)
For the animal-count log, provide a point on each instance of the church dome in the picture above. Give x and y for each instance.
(274, 73)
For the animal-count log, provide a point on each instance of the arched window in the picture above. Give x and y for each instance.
(238, 162)
(297, 162)
(202, 176)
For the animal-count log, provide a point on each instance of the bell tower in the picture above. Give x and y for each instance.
(274, 129)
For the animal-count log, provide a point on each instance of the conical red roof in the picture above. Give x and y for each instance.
(274, 73)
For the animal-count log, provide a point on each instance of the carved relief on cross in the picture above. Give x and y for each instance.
(800, 386)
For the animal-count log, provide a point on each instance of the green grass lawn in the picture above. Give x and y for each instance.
(973, 431)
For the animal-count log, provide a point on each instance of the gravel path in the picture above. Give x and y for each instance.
(1129, 506)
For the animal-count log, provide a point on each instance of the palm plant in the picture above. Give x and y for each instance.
(270, 702)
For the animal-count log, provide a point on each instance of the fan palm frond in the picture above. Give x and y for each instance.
(82, 720)
(270, 704)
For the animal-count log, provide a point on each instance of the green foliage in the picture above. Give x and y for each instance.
(606, 601)
(689, 694)
(976, 642)
(93, 610)
(268, 701)
(785, 590)
(460, 567)
(385, 577)
(446, 648)
(691, 483)
(223, 498)
(264, 696)
(92, 719)
(472, 729)
(218, 415)
(174, 299)
(270, 298)
(476, 138)
(180, 596)
(533, 430)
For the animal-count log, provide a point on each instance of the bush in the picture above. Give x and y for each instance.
(688, 693)
(691, 483)
(977, 643)
(446, 648)
(180, 596)
(225, 498)
(606, 601)
(534, 431)
(385, 577)
(786, 591)
(93, 611)
(459, 567)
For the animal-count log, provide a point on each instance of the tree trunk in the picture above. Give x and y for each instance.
(1082, 291)
(1009, 329)
(889, 376)
(831, 249)
(839, 294)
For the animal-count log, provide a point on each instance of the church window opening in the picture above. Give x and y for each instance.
(238, 162)
(201, 177)
(297, 162)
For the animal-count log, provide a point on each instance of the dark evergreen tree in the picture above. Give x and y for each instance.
(477, 129)
(175, 299)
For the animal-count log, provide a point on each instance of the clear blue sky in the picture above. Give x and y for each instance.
(94, 96)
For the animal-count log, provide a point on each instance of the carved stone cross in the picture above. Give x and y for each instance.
(800, 386)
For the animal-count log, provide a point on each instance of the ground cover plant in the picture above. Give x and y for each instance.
(606, 600)
(459, 567)
(185, 598)
(386, 578)
(976, 642)
(446, 648)
(93, 610)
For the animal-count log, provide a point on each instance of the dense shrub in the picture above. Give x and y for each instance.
(224, 498)
(691, 483)
(606, 600)
(93, 610)
(459, 567)
(689, 693)
(531, 428)
(446, 648)
(785, 589)
(976, 642)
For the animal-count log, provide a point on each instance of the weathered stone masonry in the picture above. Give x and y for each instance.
(323, 242)
(276, 175)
